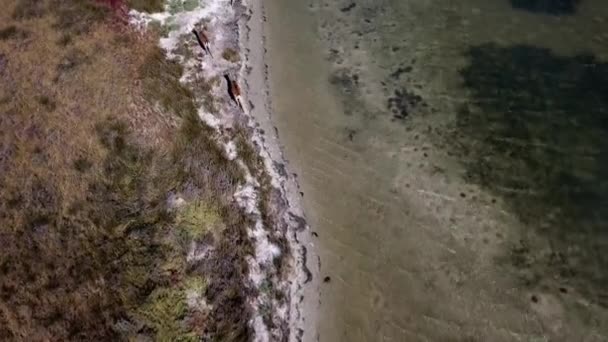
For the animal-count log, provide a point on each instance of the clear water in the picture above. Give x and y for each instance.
(454, 161)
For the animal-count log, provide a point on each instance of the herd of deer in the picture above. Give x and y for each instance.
(233, 88)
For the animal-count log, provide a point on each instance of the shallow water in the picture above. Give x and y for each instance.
(453, 157)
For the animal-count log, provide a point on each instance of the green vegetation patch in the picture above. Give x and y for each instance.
(231, 55)
(149, 6)
(163, 29)
(164, 311)
(198, 218)
(196, 284)
(176, 6)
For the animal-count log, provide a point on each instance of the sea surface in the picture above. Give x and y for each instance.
(453, 160)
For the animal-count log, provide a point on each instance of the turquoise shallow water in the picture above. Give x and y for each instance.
(454, 160)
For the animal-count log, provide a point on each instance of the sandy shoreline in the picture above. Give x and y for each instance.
(305, 279)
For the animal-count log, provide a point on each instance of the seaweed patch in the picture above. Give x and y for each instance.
(403, 102)
(536, 133)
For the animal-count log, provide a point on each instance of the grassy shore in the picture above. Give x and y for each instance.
(112, 188)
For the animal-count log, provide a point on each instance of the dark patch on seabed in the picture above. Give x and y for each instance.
(346, 80)
(536, 133)
(348, 8)
(403, 102)
(554, 7)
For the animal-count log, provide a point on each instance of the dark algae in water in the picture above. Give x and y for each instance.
(553, 7)
(403, 102)
(536, 133)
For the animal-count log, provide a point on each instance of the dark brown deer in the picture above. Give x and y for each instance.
(203, 41)
(234, 91)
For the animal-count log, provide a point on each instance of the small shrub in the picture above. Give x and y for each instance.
(82, 164)
(13, 32)
(164, 311)
(196, 284)
(231, 55)
(198, 218)
(8, 32)
(65, 39)
(47, 102)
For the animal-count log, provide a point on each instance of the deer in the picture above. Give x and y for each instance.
(234, 91)
(203, 41)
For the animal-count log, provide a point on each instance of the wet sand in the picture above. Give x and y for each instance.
(303, 277)
(414, 248)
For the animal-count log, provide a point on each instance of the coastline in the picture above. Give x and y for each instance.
(175, 170)
(305, 278)
(283, 271)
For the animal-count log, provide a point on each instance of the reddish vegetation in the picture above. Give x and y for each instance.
(119, 7)
(113, 3)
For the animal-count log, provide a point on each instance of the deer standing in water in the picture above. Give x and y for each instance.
(234, 91)
(203, 41)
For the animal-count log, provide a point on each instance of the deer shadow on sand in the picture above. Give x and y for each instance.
(229, 88)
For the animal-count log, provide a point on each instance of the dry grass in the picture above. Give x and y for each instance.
(171, 95)
(26, 9)
(86, 165)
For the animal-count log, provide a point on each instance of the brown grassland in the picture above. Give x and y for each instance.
(96, 136)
